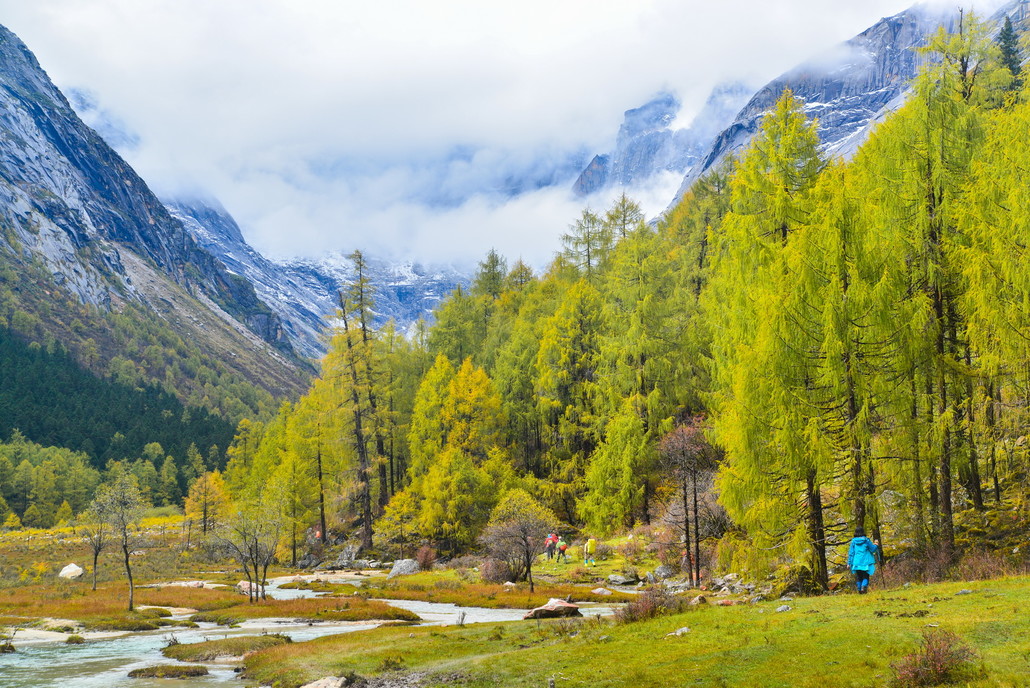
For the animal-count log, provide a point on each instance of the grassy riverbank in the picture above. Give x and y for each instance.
(448, 587)
(223, 648)
(838, 640)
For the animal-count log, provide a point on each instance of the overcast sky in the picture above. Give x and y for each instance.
(327, 124)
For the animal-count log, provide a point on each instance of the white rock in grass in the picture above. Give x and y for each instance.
(71, 572)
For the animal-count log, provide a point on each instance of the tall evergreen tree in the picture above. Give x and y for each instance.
(773, 479)
(1008, 46)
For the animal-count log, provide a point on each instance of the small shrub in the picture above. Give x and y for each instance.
(632, 551)
(169, 671)
(926, 566)
(468, 561)
(604, 551)
(154, 613)
(795, 580)
(566, 627)
(899, 571)
(74, 639)
(447, 584)
(495, 571)
(980, 564)
(390, 664)
(649, 604)
(943, 658)
(426, 557)
(581, 573)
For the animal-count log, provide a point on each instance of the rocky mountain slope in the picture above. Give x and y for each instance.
(303, 292)
(648, 144)
(849, 89)
(75, 214)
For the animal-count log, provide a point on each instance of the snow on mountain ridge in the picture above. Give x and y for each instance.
(304, 291)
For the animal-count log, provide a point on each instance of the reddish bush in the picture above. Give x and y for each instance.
(632, 551)
(468, 561)
(495, 571)
(649, 604)
(981, 564)
(943, 658)
(426, 557)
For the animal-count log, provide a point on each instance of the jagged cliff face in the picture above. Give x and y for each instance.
(303, 293)
(848, 90)
(68, 200)
(648, 144)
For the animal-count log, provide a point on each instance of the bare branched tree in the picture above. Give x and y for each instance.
(252, 535)
(121, 505)
(517, 530)
(689, 460)
(97, 532)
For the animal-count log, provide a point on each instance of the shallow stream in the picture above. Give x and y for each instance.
(105, 663)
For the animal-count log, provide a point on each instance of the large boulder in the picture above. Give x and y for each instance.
(329, 682)
(308, 561)
(665, 572)
(616, 579)
(554, 609)
(71, 572)
(404, 567)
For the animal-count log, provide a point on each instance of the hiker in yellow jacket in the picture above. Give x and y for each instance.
(588, 551)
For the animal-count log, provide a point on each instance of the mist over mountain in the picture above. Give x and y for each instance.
(303, 292)
(649, 143)
(73, 205)
(848, 89)
(82, 229)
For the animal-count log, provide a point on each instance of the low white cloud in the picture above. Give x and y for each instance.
(400, 126)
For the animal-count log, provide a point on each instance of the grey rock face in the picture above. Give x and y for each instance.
(404, 567)
(303, 293)
(648, 144)
(616, 579)
(849, 89)
(664, 572)
(71, 203)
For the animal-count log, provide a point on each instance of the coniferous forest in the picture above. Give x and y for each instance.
(817, 343)
(800, 346)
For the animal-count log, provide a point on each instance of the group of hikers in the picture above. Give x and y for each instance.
(556, 547)
(862, 555)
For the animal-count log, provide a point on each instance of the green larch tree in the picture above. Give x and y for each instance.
(775, 471)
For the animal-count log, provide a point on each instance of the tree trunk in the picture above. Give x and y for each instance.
(128, 573)
(96, 556)
(323, 536)
(816, 530)
(686, 528)
(697, 538)
(529, 568)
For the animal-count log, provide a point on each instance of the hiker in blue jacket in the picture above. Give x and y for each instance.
(862, 559)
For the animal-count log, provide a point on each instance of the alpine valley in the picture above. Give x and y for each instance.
(167, 293)
(807, 381)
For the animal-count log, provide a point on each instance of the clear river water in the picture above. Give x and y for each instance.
(105, 663)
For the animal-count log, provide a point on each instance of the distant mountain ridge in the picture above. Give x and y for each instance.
(849, 89)
(76, 217)
(71, 201)
(648, 144)
(303, 292)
